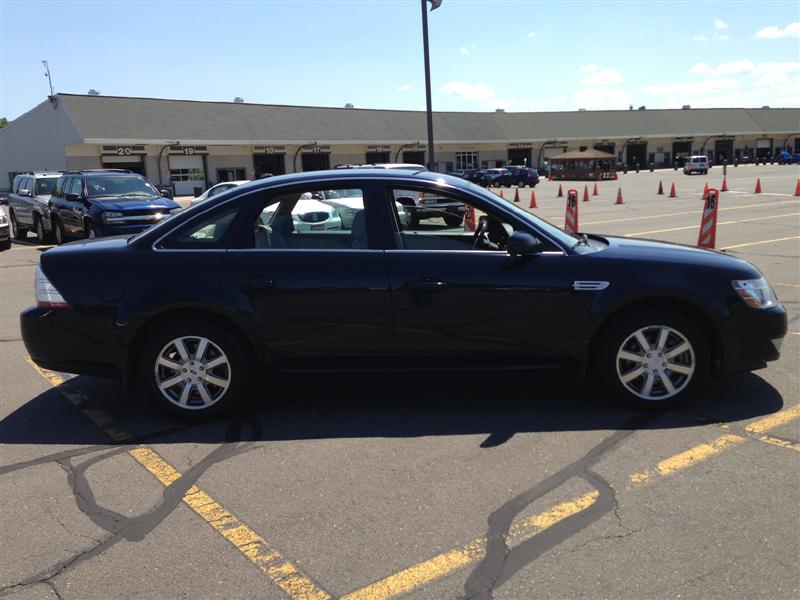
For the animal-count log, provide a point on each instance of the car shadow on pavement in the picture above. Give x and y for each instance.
(394, 406)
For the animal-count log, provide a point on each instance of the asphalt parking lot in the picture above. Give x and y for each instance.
(431, 487)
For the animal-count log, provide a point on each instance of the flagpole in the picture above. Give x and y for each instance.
(431, 157)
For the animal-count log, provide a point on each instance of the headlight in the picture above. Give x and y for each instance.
(110, 214)
(755, 292)
(3, 218)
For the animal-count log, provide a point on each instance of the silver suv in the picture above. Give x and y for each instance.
(28, 205)
(696, 164)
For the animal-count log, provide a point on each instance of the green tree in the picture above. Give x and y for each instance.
(3, 122)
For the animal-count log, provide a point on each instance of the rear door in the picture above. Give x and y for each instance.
(319, 297)
(461, 300)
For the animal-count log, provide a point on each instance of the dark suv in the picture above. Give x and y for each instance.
(94, 203)
(519, 176)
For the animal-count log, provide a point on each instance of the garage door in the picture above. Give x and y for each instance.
(132, 163)
(186, 174)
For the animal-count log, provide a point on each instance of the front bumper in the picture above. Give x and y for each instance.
(106, 230)
(754, 340)
(5, 233)
(68, 341)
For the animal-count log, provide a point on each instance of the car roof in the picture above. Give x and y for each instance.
(102, 172)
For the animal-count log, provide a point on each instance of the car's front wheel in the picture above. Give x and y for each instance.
(521, 183)
(17, 232)
(653, 359)
(194, 369)
(58, 232)
(41, 234)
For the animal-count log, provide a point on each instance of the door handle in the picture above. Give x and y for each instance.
(426, 285)
(254, 282)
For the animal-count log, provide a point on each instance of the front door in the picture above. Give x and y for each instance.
(71, 212)
(460, 299)
(315, 288)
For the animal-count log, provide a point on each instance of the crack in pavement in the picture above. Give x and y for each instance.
(135, 529)
(500, 562)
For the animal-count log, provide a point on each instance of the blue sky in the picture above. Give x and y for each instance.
(517, 55)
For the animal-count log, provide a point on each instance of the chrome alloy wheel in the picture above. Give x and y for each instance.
(192, 372)
(655, 362)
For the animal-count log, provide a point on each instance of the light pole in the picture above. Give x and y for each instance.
(434, 5)
(161, 155)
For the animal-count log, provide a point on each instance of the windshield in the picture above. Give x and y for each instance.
(45, 186)
(551, 230)
(119, 185)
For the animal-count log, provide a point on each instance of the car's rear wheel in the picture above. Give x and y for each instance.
(17, 232)
(653, 359)
(452, 220)
(194, 369)
(58, 232)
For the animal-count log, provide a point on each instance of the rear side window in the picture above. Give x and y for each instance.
(59, 189)
(44, 186)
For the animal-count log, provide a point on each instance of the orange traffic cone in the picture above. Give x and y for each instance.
(724, 187)
(660, 189)
(469, 219)
(797, 188)
(616, 175)
(533, 200)
(672, 193)
(595, 192)
(516, 195)
(705, 192)
(501, 195)
(586, 193)
(758, 186)
(619, 197)
(561, 192)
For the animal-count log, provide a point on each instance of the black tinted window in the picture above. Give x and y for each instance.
(44, 186)
(59, 189)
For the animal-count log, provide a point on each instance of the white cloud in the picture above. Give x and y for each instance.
(404, 88)
(464, 50)
(605, 77)
(719, 24)
(792, 30)
(464, 90)
(532, 34)
(700, 38)
(600, 98)
(722, 38)
(700, 68)
(744, 67)
(590, 68)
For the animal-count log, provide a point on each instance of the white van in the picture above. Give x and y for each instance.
(696, 164)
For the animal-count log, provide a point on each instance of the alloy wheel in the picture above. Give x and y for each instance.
(192, 372)
(655, 363)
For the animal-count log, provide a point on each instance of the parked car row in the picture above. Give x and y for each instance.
(507, 176)
(84, 204)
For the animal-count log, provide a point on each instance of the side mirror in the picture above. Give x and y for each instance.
(25, 193)
(523, 244)
(72, 197)
(166, 193)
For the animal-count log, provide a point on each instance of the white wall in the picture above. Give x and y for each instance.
(36, 141)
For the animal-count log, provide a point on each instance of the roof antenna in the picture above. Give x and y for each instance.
(52, 96)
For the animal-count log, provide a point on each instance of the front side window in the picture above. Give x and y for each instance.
(330, 219)
(442, 222)
(118, 185)
(76, 186)
(205, 233)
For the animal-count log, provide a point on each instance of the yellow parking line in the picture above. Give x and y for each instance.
(783, 239)
(795, 285)
(781, 443)
(296, 584)
(445, 563)
(718, 224)
(685, 459)
(775, 420)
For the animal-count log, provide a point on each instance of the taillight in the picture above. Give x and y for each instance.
(47, 296)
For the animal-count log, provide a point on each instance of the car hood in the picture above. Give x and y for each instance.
(652, 251)
(122, 204)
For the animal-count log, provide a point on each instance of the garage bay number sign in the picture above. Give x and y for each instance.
(188, 150)
(123, 151)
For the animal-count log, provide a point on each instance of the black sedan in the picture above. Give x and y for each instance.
(199, 305)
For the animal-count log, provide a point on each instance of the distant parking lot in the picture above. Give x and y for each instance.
(424, 486)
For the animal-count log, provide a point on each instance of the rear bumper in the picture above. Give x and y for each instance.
(65, 340)
(756, 340)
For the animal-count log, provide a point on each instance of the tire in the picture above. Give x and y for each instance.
(6, 245)
(89, 230)
(414, 221)
(497, 184)
(59, 237)
(234, 369)
(38, 226)
(520, 184)
(691, 363)
(452, 220)
(17, 232)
